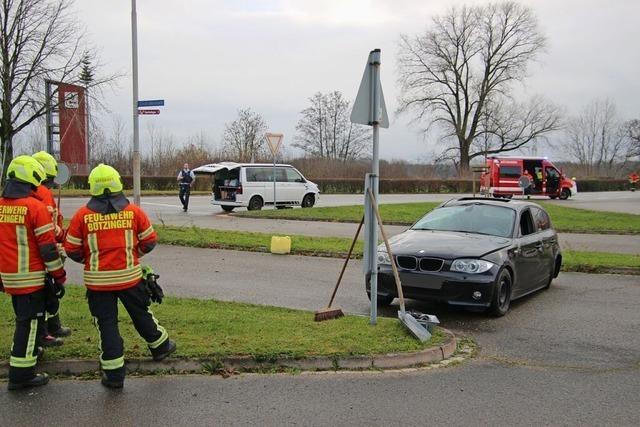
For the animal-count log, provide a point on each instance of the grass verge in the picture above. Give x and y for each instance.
(209, 328)
(565, 219)
(601, 262)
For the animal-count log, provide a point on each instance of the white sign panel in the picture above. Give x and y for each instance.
(71, 100)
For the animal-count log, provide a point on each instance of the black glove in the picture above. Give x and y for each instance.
(151, 284)
(54, 288)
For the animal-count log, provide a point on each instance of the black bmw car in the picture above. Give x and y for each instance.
(474, 252)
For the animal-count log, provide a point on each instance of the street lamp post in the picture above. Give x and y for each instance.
(136, 130)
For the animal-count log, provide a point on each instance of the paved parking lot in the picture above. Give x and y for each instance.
(566, 356)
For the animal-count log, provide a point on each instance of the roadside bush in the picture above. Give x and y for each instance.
(356, 185)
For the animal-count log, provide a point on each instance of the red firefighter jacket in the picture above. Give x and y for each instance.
(109, 245)
(27, 246)
(45, 195)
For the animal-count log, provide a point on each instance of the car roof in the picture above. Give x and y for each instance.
(514, 204)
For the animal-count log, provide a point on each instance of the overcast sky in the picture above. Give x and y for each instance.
(207, 58)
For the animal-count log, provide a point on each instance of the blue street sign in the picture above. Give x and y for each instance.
(151, 103)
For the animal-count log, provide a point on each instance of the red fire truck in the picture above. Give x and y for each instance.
(503, 178)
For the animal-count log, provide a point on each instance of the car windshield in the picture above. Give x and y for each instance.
(474, 218)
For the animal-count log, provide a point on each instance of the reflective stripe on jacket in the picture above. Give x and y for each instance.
(27, 245)
(45, 195)
(110, 246)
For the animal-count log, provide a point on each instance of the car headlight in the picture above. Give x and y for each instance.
(471, 266)
(383, 258)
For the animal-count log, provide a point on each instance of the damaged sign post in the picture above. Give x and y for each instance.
(369, 109)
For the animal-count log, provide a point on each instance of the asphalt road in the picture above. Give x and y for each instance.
(566, 356)
(167, 210)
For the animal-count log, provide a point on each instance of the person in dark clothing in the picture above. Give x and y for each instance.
(108, 236)
(186, 178)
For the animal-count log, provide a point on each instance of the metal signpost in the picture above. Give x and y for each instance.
(274, 140)
(369, 109)
(136, 130)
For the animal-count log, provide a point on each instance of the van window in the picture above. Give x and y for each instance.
(281, 175)
(259, 174)
(526, 224)
(293, 175)
(510, 171)
(541, 219)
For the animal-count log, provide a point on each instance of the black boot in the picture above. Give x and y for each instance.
(36, 381)
(112, 382)
(63, 331)
(55, 328)
(50, 341)
(162, 352)
(114, 378)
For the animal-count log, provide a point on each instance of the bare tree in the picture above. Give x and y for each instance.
(631, 131)
(595, 138)
(243, 138)
(39, 39)
(458, 76)
(325, 129)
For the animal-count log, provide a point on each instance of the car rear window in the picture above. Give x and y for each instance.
(473, 218)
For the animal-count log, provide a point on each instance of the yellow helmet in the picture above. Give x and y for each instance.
(102, 178)
(26, 169)
(48, 162)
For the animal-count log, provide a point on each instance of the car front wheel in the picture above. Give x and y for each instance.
(565, 193)
(501, 294)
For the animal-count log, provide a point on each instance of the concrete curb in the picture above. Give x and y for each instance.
(250, 364)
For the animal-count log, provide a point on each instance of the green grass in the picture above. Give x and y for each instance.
(564, 219)
(208, 328)
(250, 241)
(338, 247)
(400, 213)
(597, 262)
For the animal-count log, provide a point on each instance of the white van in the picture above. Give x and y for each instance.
(250, 185)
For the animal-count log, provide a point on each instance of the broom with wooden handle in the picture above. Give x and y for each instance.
(333, 313)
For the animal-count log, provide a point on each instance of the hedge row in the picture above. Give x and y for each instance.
(356, 185)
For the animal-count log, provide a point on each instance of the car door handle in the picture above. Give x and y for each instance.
(539, 246)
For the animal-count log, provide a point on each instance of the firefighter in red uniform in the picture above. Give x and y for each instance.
(109, 235)
(52, 329)
(28, 252)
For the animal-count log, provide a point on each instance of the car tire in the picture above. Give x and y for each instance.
(501, 294)
(565, 193)
(382, 300)
(227, 208)
(308, 201)
(255, 204)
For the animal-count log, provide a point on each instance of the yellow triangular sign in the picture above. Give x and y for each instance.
(275, 142)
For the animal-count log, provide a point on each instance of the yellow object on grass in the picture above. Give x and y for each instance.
(280, 244)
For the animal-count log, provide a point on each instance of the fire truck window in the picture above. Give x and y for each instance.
(526, 224)
(510, 171)
(552, 173)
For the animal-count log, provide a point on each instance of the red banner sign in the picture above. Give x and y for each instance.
(73, 127)
(145, 112)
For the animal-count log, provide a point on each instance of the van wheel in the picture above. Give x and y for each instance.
(565, 193)
(227, 208)
(308, 201)
(255, 204)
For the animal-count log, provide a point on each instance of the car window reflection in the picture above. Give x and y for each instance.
(475, 218)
